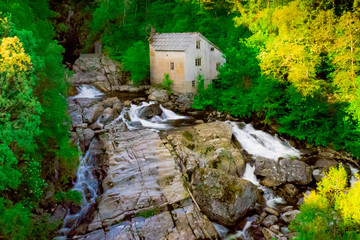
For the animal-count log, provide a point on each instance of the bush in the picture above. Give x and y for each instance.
(331, 212)
(166, 83)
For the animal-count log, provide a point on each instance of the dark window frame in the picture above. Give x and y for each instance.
(172, 65)
(198, 44)
(197, 62)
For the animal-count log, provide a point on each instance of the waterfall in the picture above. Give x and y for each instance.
(87, 91)
(261, 144)
(87, 185)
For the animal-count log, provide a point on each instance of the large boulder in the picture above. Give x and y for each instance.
(284, 171)
(222, 197)
(160, 96)
(150, 111)
(208, 145)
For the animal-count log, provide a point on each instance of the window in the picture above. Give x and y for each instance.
(217, 66)
(212, 49)
(197, 61)
(172, 66)
(193, 83)
(198, 44)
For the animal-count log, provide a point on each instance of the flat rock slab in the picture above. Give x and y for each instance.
(142, 181)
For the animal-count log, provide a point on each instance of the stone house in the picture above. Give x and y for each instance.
(183, 56)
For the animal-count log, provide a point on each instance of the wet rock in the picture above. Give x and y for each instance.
(275, 229)
(127, 103)
(269, 221)
(291, 190)
(150, 111)
(272, 211)
(222, 197)
(92, 113)
(159, 96)
(283, 171)
(59, 213)
(325, 164)
(88, 136)
(289, 216)
(268, 234)
(318, 175)
(107, 116)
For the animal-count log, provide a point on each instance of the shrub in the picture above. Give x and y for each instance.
(166, 83)
(331, 212)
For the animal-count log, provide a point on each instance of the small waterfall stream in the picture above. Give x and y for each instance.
(261, 144)
(133, 121)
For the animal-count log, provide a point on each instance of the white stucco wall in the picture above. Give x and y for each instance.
(185, 70)
(208, 62)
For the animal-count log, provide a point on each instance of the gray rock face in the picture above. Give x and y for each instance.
(222, 197)
(88, 135)
(325, 164)
(142, 179)
(160, 96)
(150, 111)
(92, 113)
(99, 71)
(283, 171)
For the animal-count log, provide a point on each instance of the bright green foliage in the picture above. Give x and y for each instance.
(298, 67)
(166, 83)
(331, 211)
(135, 61)
(33, 120)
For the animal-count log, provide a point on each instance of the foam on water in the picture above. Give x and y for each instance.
(87, 91)
(259, 143)
(157, 122)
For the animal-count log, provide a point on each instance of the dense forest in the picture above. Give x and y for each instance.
(292, 64)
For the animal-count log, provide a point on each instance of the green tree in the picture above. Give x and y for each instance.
(137, 62)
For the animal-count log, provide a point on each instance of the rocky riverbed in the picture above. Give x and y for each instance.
(149, 173)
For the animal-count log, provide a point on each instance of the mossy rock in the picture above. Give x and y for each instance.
(222, 197)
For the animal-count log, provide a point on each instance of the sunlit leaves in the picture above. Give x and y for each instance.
(332, 211)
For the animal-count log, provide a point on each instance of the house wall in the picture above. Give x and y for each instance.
(209, 59)
(185, 71)
(160, 64)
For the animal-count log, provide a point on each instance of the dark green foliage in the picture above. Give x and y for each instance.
(135, 61)
(34, 135)
(69, 197)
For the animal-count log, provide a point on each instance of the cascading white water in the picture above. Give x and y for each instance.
(261, 144)
(157, 122)
(87, 91)
(87, 185)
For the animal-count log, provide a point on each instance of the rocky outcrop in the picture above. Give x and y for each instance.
(143, 193)
(284, 171)
(222, 197)
(208, 146)
(99, 71)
